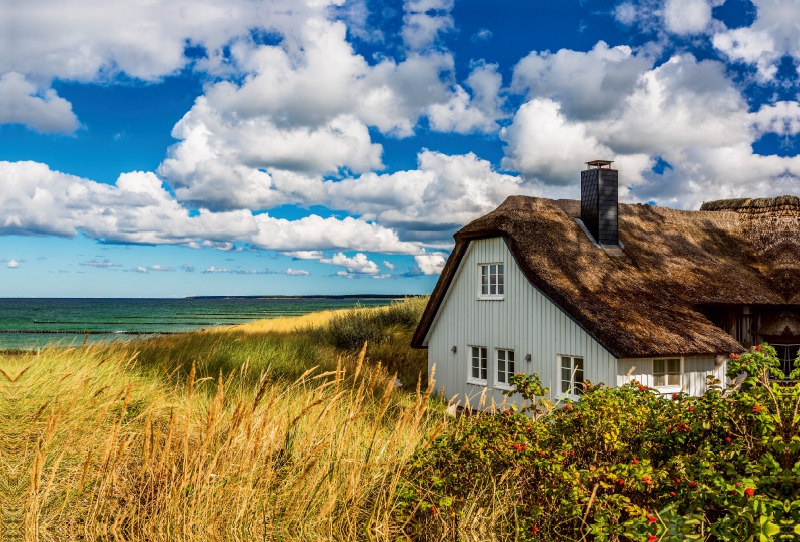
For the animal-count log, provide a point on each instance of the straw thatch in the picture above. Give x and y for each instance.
(642, 300)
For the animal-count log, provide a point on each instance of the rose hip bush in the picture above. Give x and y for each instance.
(621, 463)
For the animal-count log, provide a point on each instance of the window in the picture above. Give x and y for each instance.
(492, 281)
(666, 372)
(505, 367)
(479, 367)
(571, 375)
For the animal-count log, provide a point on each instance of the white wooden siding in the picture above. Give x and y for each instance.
(525, 321)
(695, 371)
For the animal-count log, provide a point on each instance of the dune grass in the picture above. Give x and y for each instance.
(207, 436)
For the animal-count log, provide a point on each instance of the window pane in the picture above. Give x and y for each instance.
(566, 374)
(501, 354)
(483, 356)
(658, 367)
(500, 269)
(564, 386)
(674, 380)
(566, 363)
(674, 366)
(485, 270)
(659, 380)
(492, 289)
(511, 369)
(483, 373)
(500, 290)
(579, 370)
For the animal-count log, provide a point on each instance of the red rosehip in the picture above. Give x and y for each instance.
(672, 493)
(433, 510)
(677, 480)
(728, 440)
(691, 409)
(651, 538)
(757, 408)
(758, 348)
(738, 484)
(674, 396)
(635, 461)
(749, 491)
(568, 407)
(517, 447)
(734, 356)
(651, 519)
(621, 482)
(534, 529)
(692, 484)
(542, 453)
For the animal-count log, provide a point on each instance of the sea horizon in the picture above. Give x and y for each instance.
(31, 323)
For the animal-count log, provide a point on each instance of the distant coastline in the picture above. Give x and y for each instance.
(354, 296)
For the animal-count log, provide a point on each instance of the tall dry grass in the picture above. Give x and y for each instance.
(96, 445)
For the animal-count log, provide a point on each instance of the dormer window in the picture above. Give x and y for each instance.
(492, 277)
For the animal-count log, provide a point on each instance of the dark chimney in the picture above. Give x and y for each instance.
(599, 201)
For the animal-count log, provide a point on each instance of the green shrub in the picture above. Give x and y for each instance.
(620, 464)
(352, 328)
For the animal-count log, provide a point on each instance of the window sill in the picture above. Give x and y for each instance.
(477, 382)
(665, 390)
(491, 297)
(502, 386)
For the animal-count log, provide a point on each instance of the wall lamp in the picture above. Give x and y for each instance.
(454, 350)
(527, 357)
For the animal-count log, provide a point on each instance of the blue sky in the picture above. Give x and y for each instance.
(334, 146)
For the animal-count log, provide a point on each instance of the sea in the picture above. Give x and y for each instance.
(29, 324)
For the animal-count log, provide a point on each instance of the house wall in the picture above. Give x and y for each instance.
(695, 371)
(525, 320)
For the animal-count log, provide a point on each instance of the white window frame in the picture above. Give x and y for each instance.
(572, 358)
(508, 373)
(470, 379)
(670, 388)
(494, 297)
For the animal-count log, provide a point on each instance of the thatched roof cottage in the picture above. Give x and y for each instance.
(588, 289)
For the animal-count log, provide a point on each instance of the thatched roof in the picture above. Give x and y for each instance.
(642, 300)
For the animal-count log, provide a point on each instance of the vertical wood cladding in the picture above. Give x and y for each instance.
(600, 204)
(524, 321)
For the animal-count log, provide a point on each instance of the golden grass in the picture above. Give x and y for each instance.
(287, 325)
(95, 447)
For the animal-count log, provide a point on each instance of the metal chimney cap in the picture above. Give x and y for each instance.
(599, 164)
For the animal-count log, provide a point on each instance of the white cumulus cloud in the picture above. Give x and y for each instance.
(12, 264)
(295, 272)
(430, 264)
(137, 209)
(44, 111)
(357, 265)
(686, 112)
